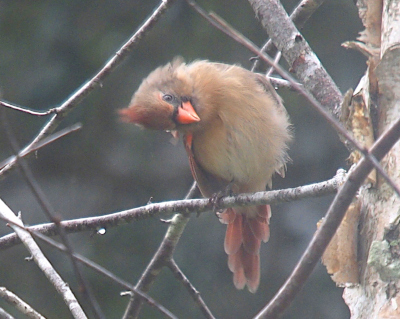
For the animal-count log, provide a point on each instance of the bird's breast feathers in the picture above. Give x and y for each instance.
(233, 152)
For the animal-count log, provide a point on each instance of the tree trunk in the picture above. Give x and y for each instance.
(378, 244)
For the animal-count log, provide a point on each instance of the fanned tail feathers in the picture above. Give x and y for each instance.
(243, 238)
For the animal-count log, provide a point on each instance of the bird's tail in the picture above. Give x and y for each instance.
(244, 234)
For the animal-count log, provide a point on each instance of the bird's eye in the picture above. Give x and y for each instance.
(168, 98)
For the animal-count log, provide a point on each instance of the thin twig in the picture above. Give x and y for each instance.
(180, 276)
(97, 268)
(183, 206)
(50, 214)
(237, 36)
(62, 288)
(160, 258)
(19, 304)
(89, 86)
(42, 143)
(328, 228)
(303, 11)
(26, 110)
(280, 83)
(276, 61)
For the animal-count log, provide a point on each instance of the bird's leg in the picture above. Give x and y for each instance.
(216, 197)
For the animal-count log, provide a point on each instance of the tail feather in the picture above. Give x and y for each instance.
(243, 238)
(233, 236)
(246, 269)
(260, 229)
(251, 243)
(236, 266)
(260, 224)
(264, 212)
(251, 267)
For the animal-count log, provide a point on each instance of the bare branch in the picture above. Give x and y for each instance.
(160, 258)
(304, 10)
(50, 214)
(97, 268)
(42, 143)
(299, 55)
(300, 15)
(26, 110)
(276, 61)
(280, 83)
(328, 228)
(179, 275)
(62, 288)
(5, 315)
(19, 304)
(385, 175)
(183, 206)
(88, 87)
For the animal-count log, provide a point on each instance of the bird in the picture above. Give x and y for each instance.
(235, 131)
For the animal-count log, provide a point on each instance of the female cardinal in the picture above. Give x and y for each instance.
(235, 131)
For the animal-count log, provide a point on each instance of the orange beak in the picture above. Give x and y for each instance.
(187, 114)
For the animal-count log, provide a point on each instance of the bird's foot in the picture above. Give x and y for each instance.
(216, 197)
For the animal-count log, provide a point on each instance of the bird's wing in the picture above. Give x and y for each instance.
(208, 184)
(266, 84)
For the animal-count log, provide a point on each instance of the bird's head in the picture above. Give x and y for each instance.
(163, 100)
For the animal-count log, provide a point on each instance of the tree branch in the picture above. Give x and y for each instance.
(182, 206)
(62, 111)
(62, 288)
(97, 268)
(50, 214)
(5, 315)
(280, 83)
(299, 55)
(19, 304)
(328, 228)
(193, 292)
(42, 143)
(300, 15)
(160, 258)
(26, 110)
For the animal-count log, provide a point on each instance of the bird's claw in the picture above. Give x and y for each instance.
(214, 201)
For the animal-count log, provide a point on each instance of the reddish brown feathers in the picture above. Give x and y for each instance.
(243, 237)
(234, 230)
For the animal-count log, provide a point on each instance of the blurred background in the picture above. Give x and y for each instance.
(50, 48)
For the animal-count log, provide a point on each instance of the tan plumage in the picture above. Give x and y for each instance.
(235, 131)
